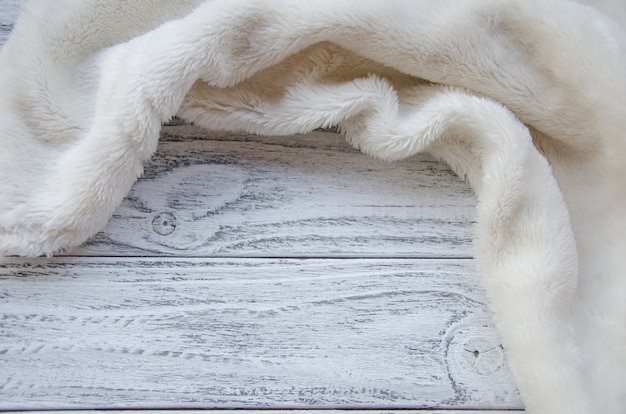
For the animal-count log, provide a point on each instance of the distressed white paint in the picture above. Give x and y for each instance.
(237, 195)
(9, 10)
(282, 411)
(182, 332)
(246, 332)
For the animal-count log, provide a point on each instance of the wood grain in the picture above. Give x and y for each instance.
(239, 333)
(9, 11)
(283, 411)
(312, 195)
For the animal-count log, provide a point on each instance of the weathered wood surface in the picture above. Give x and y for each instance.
(247, 333)
(274, 411)
(313, 195)
(262, 301)
(9, 11)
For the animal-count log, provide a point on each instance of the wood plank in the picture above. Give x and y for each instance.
(9, 11)
(282, 411)
(212, 194)
(248, 333)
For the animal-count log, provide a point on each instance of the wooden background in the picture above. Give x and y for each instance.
(260, 273)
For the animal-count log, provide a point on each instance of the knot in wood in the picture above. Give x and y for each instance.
(484, 357)
(164, 224)
(477, 363)
(477, 349)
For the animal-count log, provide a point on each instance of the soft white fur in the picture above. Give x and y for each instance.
(525, 98)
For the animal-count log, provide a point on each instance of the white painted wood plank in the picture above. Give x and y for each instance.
(211, 333)
(9, 11)
(211, 194)
(282, 411)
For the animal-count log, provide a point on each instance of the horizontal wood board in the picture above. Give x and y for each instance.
(248, 333)
(217, 194)
(426, 411)
(9, 11)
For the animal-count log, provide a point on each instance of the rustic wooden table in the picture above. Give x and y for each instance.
(260, 273)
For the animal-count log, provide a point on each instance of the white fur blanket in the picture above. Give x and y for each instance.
(525, 98)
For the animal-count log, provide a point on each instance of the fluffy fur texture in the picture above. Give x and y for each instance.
(525, 98)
